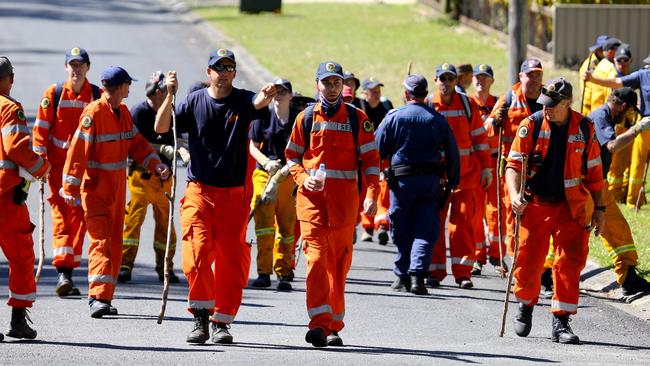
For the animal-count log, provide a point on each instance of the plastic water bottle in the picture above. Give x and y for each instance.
(321, 175)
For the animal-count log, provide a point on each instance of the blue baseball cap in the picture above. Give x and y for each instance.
(77, 54)
(218, 55)
(329, 68)
(445, 69)
(115, 75)
(483, 69)
(530, 65)
(600, 41)
(416, 85)
(371, 83)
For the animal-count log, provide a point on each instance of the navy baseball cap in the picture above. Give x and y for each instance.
(623, 51)
(600, 41)
(115, 75)
(349, 75)
(370, 83)
(329, 68)
(77, 54)
(611, 43)
(218, 55)
(284, 84)
(464, 68)
(445, 69)
(555, 91)
(483, 69)
(416, 85)
(530, 65)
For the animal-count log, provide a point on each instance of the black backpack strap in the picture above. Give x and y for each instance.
(354, 123)
(584, 129)
(307, 122)
(466, 106)
(96, 91)
(58, 90)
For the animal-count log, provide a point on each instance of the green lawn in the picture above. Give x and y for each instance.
(370, 40)
(379, 40)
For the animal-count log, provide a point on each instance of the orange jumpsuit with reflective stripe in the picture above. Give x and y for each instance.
(565, 221)
(474, 150)
(490, 196)
(327, 218)
(15, 227)
(51, 140)
(95, 168)
(383, 204)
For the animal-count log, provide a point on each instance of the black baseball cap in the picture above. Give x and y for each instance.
(611, 43)
(555, 91)
(530, 65)
(284, 84)
(77, 54)
(483, 69)
(349, 75)
(416, 85)
(5, 67)
(623, 51)
(626, 95)
(463, 68)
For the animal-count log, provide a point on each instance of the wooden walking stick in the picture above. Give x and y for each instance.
(637, 205)
(170, 221)
(41, 230)
(522, 187)
(502, 273)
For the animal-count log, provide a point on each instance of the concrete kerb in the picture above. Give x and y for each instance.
(254, 71)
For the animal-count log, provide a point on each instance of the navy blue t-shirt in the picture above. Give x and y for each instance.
(549, 180)
(217, 135)
(640, 79)
(272, 134)
(144, 118)
(604, 126)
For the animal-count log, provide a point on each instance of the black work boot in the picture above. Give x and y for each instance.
(402, 284)
(220, 333)
(124, 275)
(562, 331)
(382, 235)
(334, 340)
(433, 282)
(417, 286)
(200, 332)
(367, 234)
(19, 327)
(547, 284)
(634, 286)
(283, 284)
(316, 337)
(523, 321)
(64, 281)
(477, 268)
(263, 280)
(172, 277)
(500, 266)
(99, 308)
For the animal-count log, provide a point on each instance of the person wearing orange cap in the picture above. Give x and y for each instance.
(56, 121)
(329, 143)
(19, 166)
(94, 176)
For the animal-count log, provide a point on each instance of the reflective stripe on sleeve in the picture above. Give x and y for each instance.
(14, 129)
(481, 147)
(294, 161)
(116, 136)
(514, 155)
(373, 170)
(72, 104)
(594, 162)
(145, 162)
(106, 166)
(42, 124)
(7, 164)
(478, 131)
(40, 149)
(37, 165)
(59, 143)
(367, 147)
(568, 183)
(71, 180)
(295, 147)
(453, 113)
(83, 135)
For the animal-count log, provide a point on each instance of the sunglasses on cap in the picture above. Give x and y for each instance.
(622, 60)
(222, 68)
(446, 78)
(553, 94)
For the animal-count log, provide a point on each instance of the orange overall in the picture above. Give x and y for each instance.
(564, 220)
(51, 140)
(15, 227)
(327, 218)
(95, 167)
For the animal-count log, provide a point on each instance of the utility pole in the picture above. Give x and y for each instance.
(517, 37)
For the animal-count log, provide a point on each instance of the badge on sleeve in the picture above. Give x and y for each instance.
(21, 115)
(45, 103)
(523, 132)
(86, 121)
(367, 126)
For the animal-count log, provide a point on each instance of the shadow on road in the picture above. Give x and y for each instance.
(122, 348)
(622, 346)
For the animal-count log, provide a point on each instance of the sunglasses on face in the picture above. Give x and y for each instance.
(447, 78)
(623, 60)
(222, 68)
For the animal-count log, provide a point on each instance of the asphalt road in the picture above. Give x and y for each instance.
(451, 326)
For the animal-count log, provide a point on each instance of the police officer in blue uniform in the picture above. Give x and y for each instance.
(416, 138)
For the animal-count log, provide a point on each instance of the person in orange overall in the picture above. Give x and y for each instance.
(328, 209)
(465, 121)
(94, 175)
(487, 201)
(563, 199)
(18, 166)
(215, 208)
(56, 121)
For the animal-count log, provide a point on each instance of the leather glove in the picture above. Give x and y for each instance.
(270, 194)
(499, 117)
(642, 125)
(167, 151)
(486, 177)
(184, 154)
(272, 166)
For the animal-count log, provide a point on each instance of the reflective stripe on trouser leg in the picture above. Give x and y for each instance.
(285, 211)
(68, 226)
(17, 245)
(640, 150)
(617, 238)
(462, 241)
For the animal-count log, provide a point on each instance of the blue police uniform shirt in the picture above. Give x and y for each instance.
(144, 117)
(273, 134)
(415, 133)
(640, 79)
(217, 135)
(604, 126)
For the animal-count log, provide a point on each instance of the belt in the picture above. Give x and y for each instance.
(416, 169)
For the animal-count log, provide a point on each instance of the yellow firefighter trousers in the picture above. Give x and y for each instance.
(640, 151)
(274, 226)
(145, 192)
(617, 238)
(619, 169)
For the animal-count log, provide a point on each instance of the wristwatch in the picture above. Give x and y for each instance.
(600, 208)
